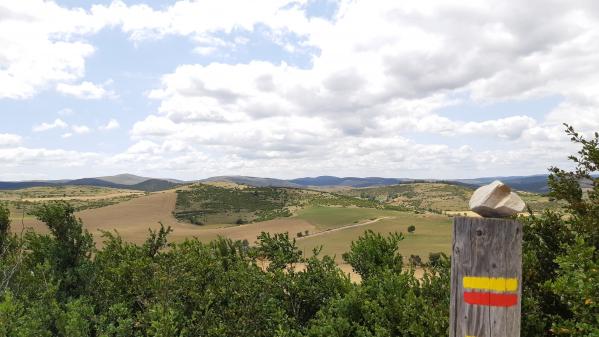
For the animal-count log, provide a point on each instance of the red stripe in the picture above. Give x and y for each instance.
(490, 299)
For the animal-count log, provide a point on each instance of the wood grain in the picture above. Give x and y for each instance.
(491, 248)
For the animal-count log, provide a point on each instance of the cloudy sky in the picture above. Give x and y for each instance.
(279, 88)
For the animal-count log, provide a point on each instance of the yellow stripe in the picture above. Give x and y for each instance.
(491, 283)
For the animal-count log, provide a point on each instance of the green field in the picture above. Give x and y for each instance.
(325, 218)
(433, 234)
(436, 197)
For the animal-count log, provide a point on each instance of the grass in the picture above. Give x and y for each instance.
(436, 197)
(433, 234)
(325, 218)
(81, 197)
(63, 192)
(209, 203)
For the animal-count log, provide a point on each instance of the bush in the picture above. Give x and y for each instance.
(373, 253)
(411, 229)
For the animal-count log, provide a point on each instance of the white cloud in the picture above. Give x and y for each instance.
(369, 101)
(111, 125)
(80, 129)
(84, 90)
(506, 128)
(383, 70)
(58, 123)
(18, 160)
(66, 135)
(9, 139)
(38, 48)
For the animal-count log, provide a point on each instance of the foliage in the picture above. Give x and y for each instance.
(390, 304)
(374, 253)
(203, 203)
(561, 252)
(278, 249)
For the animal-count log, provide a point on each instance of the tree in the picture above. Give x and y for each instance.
(279, 250)
(71, 247)
(560, 251)
(373, 253)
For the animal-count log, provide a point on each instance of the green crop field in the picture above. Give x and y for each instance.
(433, 234)
(325, 218)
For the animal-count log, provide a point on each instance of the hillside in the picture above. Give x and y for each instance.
(148, 185)
(536, 183)
(208, 203)
(437, 197)
(348, 181)
(124, 179)
(80, 197)
(252, 181)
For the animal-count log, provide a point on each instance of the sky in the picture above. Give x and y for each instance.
(284, 89)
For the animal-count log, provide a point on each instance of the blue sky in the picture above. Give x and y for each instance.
(192, 89)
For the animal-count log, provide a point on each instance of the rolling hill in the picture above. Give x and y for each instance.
(348, 181)
(253, 181)
(535, 183)
(147, 184)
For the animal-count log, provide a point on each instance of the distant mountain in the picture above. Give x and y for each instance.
(535, 183)
(153, 185)
(122, 181)
(131, 179)
(15, 185)
(348, 181)
(253, 181)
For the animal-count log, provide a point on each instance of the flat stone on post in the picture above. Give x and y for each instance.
(496, 200)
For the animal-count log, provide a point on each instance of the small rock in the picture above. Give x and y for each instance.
(496, 200)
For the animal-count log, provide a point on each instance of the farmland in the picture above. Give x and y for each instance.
(432, 234)
(21, 201)
(436, 197)
(241, 212)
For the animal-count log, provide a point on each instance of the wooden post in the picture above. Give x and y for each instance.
(486, 278)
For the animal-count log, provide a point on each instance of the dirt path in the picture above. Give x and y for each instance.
(344, 227)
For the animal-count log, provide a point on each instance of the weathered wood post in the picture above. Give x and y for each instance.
(486, 267)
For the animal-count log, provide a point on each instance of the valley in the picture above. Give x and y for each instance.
(317, 216)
